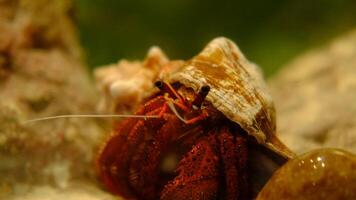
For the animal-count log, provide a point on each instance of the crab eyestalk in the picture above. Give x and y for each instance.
(199, 99)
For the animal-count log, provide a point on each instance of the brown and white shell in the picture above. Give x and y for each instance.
(237, 90)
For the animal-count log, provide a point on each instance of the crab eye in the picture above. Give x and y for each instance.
(199, 99)
(159, 84)
(167, 88)
(204, 90)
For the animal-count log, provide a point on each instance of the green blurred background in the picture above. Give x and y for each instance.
(270, 33)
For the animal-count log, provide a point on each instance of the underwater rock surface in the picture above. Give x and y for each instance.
(42, 74)
(74, 191)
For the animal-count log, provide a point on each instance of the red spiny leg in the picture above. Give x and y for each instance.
(144, 170)
(198, 173)
(115, 156)
(233, 154)
(215, 167)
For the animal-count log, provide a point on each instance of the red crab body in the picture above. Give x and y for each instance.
(211, 149)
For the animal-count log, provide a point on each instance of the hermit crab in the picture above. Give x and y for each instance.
(209, 133)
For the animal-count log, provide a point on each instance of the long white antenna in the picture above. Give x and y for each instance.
(90, 116)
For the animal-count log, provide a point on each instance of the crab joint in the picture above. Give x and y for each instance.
(199, 99)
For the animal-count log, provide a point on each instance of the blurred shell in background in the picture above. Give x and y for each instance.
(123, 86)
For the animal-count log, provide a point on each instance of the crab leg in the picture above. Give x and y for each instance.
(113, 160)
(198, 174)
(144, 169)
(233, 154)
(215, 167)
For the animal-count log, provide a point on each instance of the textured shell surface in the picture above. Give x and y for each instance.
(237, 90)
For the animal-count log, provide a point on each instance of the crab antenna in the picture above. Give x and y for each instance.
(173, 109)
(166, 87)
(199, 99)
(90, 116)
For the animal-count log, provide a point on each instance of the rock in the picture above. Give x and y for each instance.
(42, 74)
(315, 98)
(319, 174)
(75, 190)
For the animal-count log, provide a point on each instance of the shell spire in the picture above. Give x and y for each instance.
(237, 90)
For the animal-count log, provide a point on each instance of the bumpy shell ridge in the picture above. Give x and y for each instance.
(237, 90)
